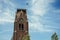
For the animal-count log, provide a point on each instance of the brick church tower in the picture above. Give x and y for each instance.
(20, 25)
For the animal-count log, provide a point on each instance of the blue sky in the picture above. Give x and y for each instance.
(43, 17)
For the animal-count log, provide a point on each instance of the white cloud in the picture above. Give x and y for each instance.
(8, 12)
(39, 12)
(34, 18)
(9, 2)
(2, 20)
(38, 9)
(7, 16)
(38, 27)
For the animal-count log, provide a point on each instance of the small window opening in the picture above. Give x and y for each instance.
(21, 27)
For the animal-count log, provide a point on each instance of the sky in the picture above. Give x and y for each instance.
(43, 18)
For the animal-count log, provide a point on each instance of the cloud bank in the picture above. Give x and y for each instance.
(38, 9)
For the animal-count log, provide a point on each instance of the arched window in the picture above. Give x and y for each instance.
(21, 27)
